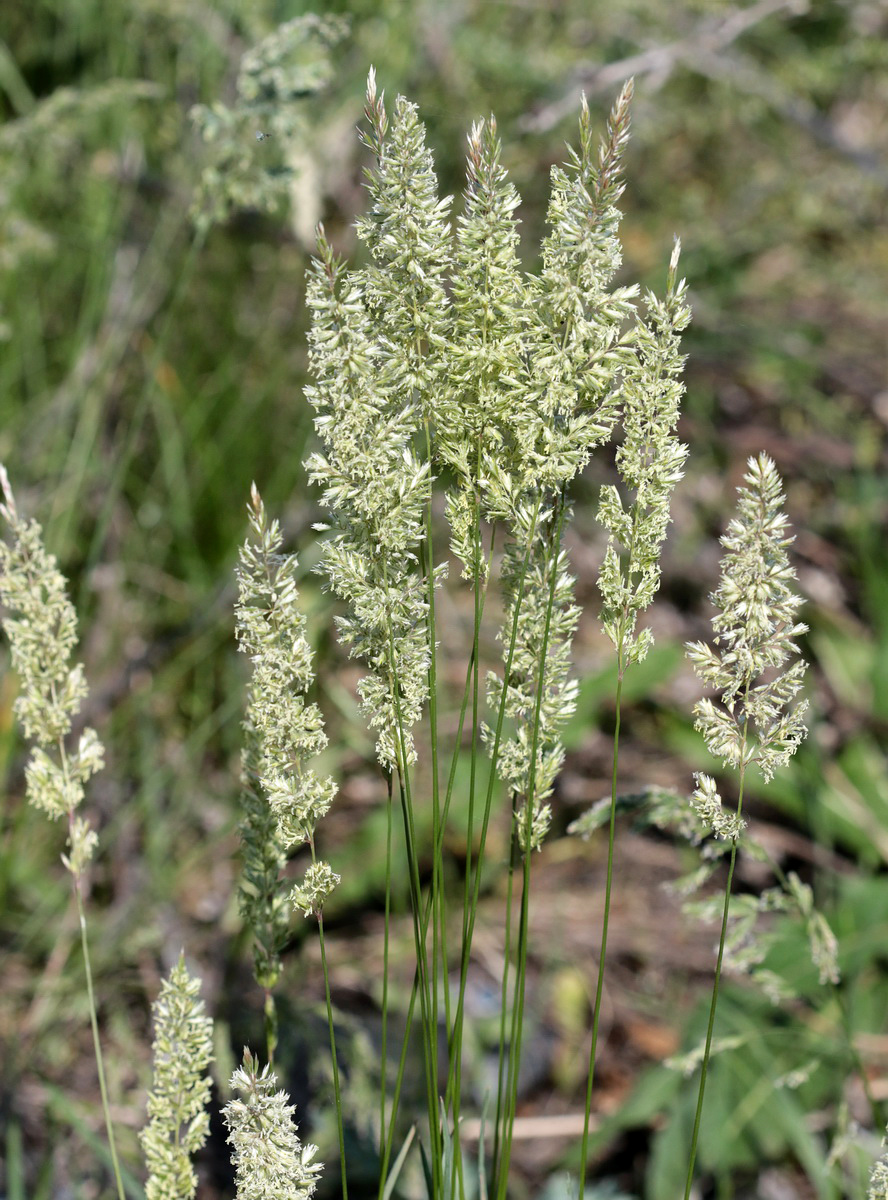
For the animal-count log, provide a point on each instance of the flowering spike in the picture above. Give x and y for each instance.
(650, 462)
(270, 1161)
(178, 1123)
(41, 625)
(754, 626)
(375, 357)
(283, 798)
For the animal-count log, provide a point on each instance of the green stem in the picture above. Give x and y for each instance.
(90, 991)
(399, 1083)
(698, 1115)
(469, 925)
(455, 1064)
(97, 1045)
(271, 1025)
(438, 850)
(386, 943)
(337, 1094)
(605, 921)
(439, 908)
(430, 1040)
(420, 927)
(501, 1056)
(517, 1031)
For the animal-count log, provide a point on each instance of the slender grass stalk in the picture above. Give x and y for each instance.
(602, 957)
(528, 842)
(396, 1091)
(334, 1058)
(438, 846)
(41, 626)
(429, 1029)
(438, 851)
(438, 900)
(270, 1016)
(501, 1092)
(471, 901)
(470, 912)
(456, 1037)
(384, 1146)
(97, 1042)
(713, 1004)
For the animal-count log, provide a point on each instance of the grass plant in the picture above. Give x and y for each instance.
(41, 626)
(756, 724)
(445, 379)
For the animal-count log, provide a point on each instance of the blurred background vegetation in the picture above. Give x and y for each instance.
(151, 364)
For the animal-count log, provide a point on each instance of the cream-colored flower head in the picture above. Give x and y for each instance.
(270, 1161)
(567, 398)
(41, 625)
(577, 318)
(375, 491)
(178, 1123)
(376, 349)
(756, 722)
(878, 1184)
(284, 730)
(650, 462)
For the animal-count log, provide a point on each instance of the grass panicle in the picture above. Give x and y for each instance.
(288, 728)
(284, 796)
(878, 1182)
(270, 1161)
(178, 1121)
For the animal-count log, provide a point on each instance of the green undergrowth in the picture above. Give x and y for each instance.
(148, 374)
